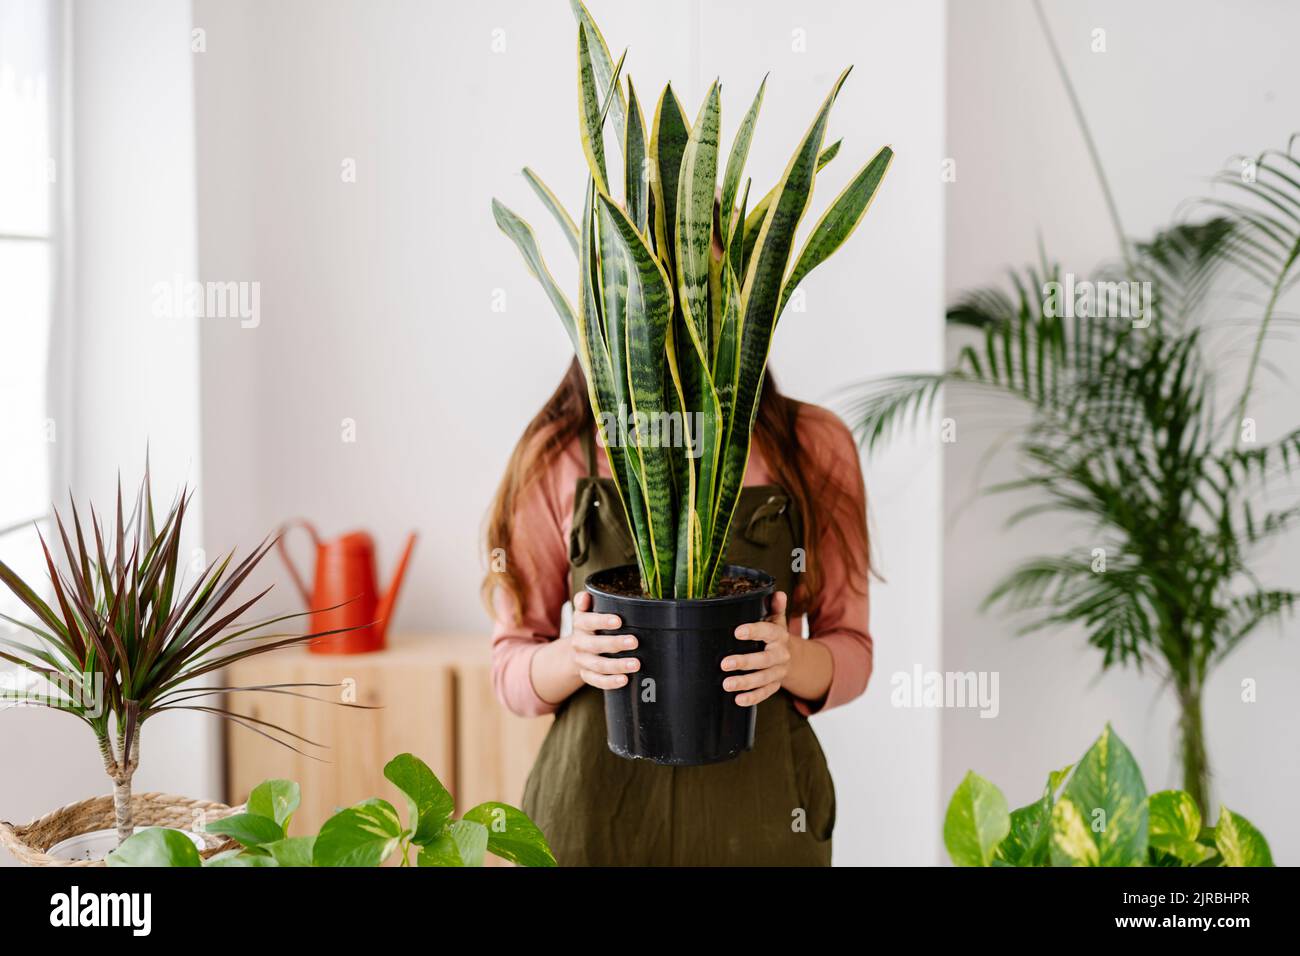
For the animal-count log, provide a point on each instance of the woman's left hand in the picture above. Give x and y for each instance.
(770, 665)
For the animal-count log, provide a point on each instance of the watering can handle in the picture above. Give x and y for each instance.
(288, 562)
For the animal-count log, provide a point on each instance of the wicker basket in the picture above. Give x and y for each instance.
(29, 843)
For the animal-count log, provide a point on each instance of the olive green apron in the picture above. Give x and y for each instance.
(771, 806)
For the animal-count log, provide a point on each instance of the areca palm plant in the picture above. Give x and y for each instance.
(126, 636)
(1127, 430)
(681, 284)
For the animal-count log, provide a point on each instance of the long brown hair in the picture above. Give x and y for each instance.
(832, 512)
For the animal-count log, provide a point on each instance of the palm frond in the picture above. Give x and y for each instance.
(886, 405)
(1113, 606)
(1248, 611)
(1262, 197)
(1122, 434)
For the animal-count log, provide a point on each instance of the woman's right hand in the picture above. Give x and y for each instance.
(587, 646)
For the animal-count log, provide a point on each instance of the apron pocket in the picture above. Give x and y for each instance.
(813, 785)
(764, 526)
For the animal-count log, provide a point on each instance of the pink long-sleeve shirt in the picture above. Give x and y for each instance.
(540, 551)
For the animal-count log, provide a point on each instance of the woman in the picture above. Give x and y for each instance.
(802, 518)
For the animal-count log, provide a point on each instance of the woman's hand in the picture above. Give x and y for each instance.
(587, 646)
(769, 665)
(560, 667)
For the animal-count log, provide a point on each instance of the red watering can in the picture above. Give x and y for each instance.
(345, 594)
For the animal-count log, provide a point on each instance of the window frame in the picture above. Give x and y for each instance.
(57, 239)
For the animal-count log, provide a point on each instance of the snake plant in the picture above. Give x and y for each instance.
(681, 285)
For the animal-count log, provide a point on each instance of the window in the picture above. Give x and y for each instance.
(29, 209)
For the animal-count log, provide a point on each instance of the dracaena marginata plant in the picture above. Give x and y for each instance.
(1095, 813)
(126, 635)
(680, 288)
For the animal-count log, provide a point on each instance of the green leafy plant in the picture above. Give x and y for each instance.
(365, 834)
(1095, 813)
(1124, 432)
(680, 289)
(126, 636)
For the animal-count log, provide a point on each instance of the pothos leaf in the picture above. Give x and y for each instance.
(462, 843)
(429, 803)
(511, 835)
(362, 835)
(976, 822)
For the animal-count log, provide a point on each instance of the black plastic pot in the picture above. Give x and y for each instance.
(684, 717)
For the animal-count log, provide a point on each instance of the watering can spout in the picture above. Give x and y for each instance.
(385, 608)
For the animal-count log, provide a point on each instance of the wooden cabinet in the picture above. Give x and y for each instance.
(433, 698)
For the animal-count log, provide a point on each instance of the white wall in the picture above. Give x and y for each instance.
(376, 295)
(1181, 88)
(871, 311)
(134, 376)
